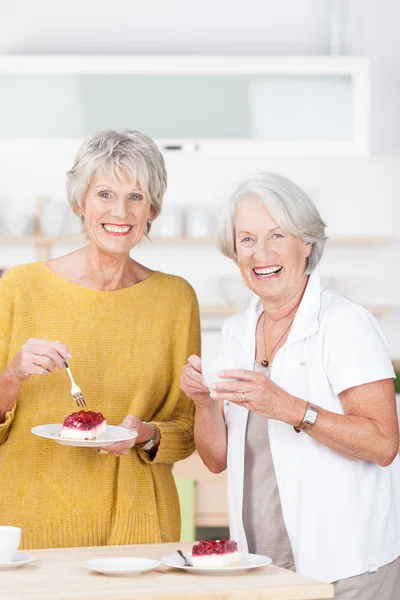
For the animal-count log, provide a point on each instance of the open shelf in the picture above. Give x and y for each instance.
(44, 243)
(223, 310)
(80, 238)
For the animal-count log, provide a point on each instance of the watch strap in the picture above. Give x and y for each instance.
(150, 443)
(308, 420)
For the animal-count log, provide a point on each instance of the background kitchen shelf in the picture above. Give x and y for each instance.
(225, 310)
(41, 240)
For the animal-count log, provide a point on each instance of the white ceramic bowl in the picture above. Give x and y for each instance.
(235, 291)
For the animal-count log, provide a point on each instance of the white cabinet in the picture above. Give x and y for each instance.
(272, 105)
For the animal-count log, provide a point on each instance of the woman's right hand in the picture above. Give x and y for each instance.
(38, 357)
(192, 383)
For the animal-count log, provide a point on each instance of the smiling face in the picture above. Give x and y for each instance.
(115, 212)
(272, 263)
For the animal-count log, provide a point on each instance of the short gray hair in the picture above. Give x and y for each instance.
(126, 152)
(291, 208)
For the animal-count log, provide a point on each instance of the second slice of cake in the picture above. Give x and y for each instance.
(215, 554)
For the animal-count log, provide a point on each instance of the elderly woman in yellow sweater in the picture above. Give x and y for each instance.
(127, 331)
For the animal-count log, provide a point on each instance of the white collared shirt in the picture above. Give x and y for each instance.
(342, 515)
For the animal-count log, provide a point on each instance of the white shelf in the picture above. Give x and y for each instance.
(40, 240)
(184, 64)
(223, 310)
(43, 244)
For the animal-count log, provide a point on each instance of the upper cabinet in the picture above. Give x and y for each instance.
(273, 105)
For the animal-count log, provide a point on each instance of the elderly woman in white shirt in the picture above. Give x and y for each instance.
(308, 429)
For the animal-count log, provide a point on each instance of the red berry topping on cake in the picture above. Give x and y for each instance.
(209, 547)
(84, 419)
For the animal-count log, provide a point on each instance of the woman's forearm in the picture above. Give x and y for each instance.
(353, 436)
(210, 435)
(9, 389)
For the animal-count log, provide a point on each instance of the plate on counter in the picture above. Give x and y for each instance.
(20, 559)
(247, 562)
(112, 434)
(123, 565)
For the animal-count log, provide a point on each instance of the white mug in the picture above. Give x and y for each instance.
(10, 539)
(212, 366)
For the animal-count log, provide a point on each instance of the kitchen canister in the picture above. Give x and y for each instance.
(170, 223)
(52, 218)
(200, 221)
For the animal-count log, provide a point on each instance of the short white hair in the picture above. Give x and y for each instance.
(128, 153)
(291, 208)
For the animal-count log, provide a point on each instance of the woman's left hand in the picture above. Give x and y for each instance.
(123, 448)
(258, 393)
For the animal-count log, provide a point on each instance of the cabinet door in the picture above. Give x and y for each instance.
(271, 110)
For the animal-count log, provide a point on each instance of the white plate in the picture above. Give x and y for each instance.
(19, 559)
(113, 434)
(247, 561)
(124, 565)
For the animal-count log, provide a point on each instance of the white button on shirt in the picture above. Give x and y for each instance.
(342, 515)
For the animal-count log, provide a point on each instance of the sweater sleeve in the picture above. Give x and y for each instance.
(177, 432)
(7, 289)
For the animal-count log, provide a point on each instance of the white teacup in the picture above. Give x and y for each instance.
(212, 366)
(10, 539)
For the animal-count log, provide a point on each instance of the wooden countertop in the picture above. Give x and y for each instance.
(60, 574)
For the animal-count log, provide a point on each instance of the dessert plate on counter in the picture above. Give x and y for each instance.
(247, 561)
(123, 565)
(20, 559)
(113, 434)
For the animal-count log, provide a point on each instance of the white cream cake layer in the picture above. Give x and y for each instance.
(72, 433)
(216, 561)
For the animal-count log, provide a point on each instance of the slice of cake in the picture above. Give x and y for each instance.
(83, 425)
(215, 554)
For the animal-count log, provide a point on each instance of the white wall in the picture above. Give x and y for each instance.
(374, 32)
(356, 196)
(217, 26)
(153, 26)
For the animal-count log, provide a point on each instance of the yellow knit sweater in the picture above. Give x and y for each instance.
(128, 348)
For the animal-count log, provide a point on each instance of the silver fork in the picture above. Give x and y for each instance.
(76, 391)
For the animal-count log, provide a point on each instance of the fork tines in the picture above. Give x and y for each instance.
(79, 400)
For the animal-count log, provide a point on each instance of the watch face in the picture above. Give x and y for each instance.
(310, 416)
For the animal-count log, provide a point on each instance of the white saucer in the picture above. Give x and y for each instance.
(113, 434)
(19, 559)
(247, 561)
(123, 565)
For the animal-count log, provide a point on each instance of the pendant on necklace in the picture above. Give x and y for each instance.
(265, 363)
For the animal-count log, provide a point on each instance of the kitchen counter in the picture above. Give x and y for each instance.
(60, 574)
